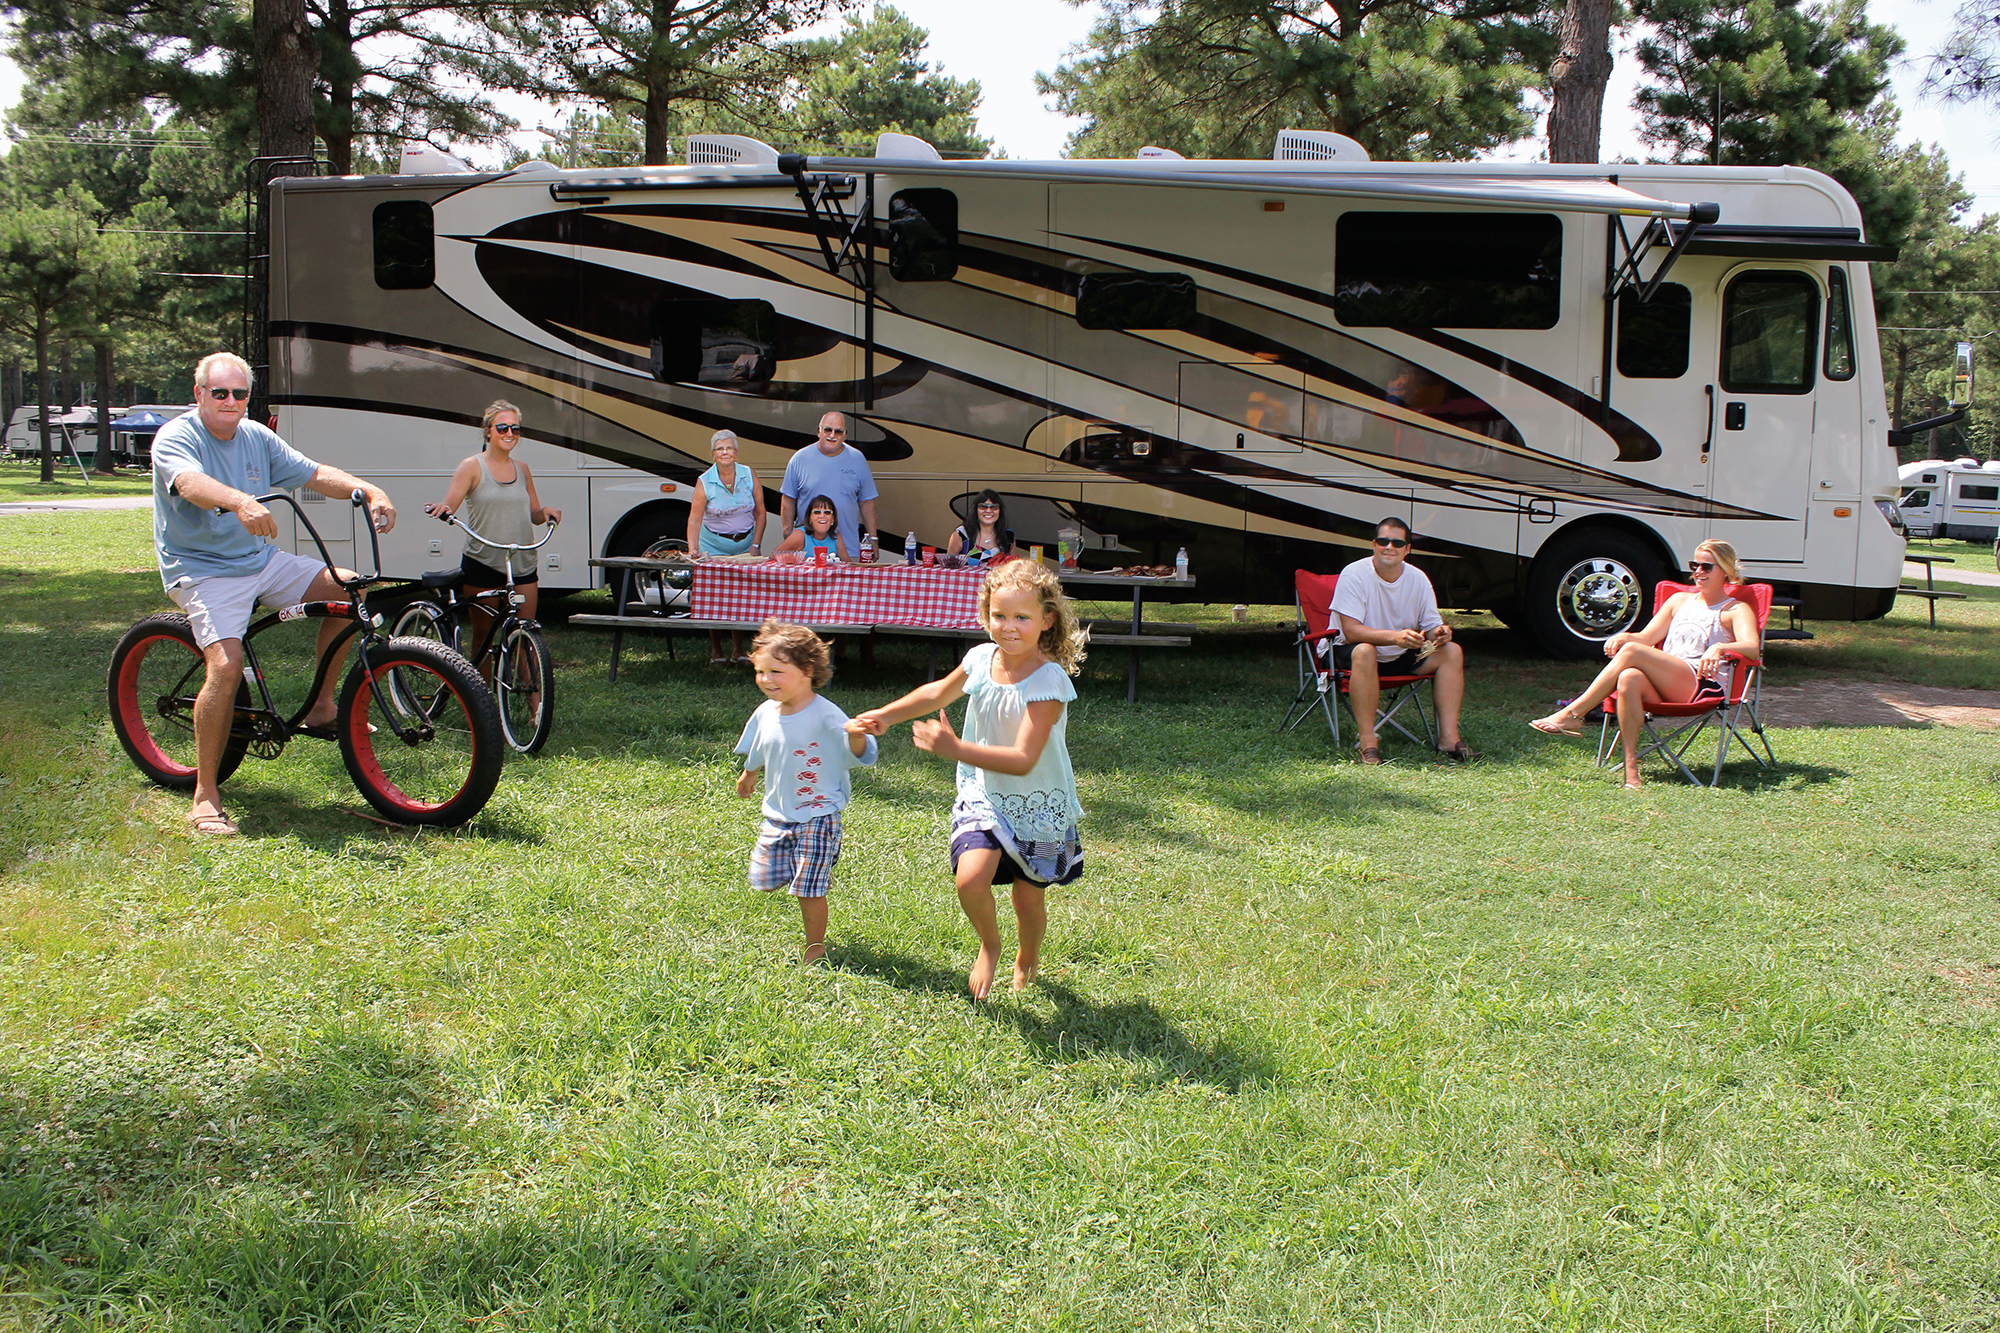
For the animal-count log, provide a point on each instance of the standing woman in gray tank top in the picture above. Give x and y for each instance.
(494, 493)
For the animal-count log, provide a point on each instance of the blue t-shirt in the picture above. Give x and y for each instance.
(843, 479)
(194, 542)
(805, 758)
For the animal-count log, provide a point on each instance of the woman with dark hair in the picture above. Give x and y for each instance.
(987, 532)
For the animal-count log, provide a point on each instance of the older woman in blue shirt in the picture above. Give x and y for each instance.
(725, 518)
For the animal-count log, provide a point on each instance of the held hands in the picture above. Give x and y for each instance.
(935, 736)
(869, 723)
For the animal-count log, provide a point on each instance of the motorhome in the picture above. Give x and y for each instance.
(1958, 499)
(1563, 377)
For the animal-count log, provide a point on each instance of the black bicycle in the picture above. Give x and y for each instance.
(512, 653)
(417, 727)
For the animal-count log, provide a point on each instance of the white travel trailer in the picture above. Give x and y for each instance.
(1562, 376)
(1959, 499)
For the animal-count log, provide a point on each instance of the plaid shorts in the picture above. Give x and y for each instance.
(798, 857)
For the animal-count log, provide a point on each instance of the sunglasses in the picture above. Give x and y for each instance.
(831, 430)
(1701, 566)
(224, 395)
(995, 508)
(1398, 542)
(504, 428)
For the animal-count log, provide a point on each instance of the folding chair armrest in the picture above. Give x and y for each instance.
(1747, 659)
(1320, 637)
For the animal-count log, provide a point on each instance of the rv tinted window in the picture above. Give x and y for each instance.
(1135, 301)
(1839, 328)
(1917, 500)
(405, 249)
(1653, 337)
(725, 343)
(1448, 270)
(1770, 321)
(1979, 492)
(923, 235)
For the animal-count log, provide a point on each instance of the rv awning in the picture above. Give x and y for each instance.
(1753, 241)
(1430, 185)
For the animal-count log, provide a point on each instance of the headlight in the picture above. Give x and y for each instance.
(1892, 516)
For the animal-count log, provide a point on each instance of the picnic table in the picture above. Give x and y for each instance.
(1930, 592)
(919, 601)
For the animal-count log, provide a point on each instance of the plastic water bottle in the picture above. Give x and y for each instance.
(910, 547)
(1180, 564)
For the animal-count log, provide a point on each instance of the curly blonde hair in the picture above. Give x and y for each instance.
(1725, 558)
(1063, 641)
(797, 645)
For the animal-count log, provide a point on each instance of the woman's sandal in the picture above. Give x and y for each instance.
(1371, 755)
(1552, 725)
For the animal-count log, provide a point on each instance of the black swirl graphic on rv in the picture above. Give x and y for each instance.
(1635, 443)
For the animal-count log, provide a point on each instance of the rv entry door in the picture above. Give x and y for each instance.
(1760, 461)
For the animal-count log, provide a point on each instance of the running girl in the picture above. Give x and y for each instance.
(1014, 819)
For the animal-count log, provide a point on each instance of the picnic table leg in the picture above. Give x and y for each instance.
(617, 637)
(1930, 586)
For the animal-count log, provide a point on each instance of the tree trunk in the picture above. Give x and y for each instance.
(1577, 80)
(106, 465)
(42, 395)
(657, 70)
(659, 148)
(287, 58)
(339, 130)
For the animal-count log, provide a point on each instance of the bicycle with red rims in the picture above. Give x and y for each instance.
(418, 729)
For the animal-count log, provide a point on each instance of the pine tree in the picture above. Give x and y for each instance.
(1220, 78)
(873, 77)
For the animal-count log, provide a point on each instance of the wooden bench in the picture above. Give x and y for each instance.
(1930, 592)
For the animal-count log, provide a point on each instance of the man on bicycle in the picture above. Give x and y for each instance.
(216, 557)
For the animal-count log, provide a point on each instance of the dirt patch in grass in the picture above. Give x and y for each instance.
(1827, 703)
(1980, 984)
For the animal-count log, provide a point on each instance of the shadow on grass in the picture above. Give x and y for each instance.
(1079, 1028)
(350, 823)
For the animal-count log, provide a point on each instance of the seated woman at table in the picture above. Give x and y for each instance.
(820, 532)
(1677, 658)
(988, 533)
(724, 518)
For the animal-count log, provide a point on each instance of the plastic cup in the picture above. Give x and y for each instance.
(930, 555)
(819, 556)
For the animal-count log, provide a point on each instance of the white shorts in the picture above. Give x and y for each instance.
(219, 607)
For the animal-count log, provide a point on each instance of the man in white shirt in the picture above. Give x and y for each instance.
(1387, 613)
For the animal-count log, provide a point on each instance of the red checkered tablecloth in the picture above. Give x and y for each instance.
(838, 594)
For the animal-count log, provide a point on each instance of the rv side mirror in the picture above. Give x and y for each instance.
(1961, 377)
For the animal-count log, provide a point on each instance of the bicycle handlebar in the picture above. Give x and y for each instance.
(446, 516)
(359, 499)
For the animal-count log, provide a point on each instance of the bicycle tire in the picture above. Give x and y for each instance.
(524, 688)
(447, 775)
(427, 620)
(156, 671)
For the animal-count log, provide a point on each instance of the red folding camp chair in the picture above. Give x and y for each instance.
(1733, 714)
(1320, 681)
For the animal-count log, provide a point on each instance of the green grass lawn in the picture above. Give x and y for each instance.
(21, 480)
(1318, 1046)
(1977, 556)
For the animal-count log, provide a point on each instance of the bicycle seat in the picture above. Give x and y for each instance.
(443, 578)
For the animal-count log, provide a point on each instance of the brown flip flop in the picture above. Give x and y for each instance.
(213, 825)
(1372, 755)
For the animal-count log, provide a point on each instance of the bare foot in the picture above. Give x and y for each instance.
(1562, 722)
(980, 979)
(1632, 782)
(815, 953)
(1024, 972)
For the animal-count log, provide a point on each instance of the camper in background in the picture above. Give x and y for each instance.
(1958, 500)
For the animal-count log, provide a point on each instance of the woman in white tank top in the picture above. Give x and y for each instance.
(494, 493)
(1679, 653)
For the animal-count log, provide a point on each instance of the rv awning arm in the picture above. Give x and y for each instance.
(1657, 231)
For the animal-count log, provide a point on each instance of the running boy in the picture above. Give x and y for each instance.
(1014, 820)
(802, 745)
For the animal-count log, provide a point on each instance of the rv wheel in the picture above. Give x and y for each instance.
(1587, 586)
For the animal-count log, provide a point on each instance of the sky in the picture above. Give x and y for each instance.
(1004, 45)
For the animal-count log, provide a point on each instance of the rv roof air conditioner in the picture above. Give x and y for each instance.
(906, 148)
(420, 159)
(1316, 146)
(1153, 152)
(729, 150)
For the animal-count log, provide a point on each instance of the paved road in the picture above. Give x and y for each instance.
(1950, 574)
(49, 506)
